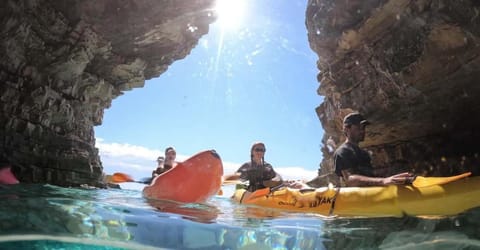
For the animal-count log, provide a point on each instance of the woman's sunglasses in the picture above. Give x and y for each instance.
(259, 150)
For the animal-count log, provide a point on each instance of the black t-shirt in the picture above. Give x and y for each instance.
(351, 156)
(256, 174)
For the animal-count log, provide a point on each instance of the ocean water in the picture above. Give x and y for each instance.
(51, 217)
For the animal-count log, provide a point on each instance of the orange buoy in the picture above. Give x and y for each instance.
(194, 180)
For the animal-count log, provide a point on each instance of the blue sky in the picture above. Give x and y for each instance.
(254, 80)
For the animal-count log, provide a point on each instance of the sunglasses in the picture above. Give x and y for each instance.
(259, 150)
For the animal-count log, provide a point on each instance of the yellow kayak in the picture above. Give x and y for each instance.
(428, 200)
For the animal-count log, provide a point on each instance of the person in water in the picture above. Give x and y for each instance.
(6, 175)
(257, 172)
(170, 156)
(353, 164)
(159, 170)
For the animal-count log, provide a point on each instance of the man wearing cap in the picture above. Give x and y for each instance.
(353, 164)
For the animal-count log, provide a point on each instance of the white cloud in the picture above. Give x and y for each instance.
(124, 149)
(296, 173)
(139, 162)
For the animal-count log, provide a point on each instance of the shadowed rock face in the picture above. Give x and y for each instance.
(63, 62)
(412, 68)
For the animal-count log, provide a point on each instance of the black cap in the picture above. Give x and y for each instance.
(355, 119)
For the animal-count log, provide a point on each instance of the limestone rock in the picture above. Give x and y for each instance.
(63, 62)
(411, 67)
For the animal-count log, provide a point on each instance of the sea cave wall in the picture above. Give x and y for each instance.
(409, 66)
(63, 62)
(412, 68)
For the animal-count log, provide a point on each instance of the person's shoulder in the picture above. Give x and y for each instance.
(247, 164)
(344, 146)
(266, 164)
(244, 166)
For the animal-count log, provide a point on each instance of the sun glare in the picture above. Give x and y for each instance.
(230, 13)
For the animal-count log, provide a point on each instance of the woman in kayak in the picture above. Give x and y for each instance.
(257, 172)
(170, 156)
(164, 163)
(159, 170)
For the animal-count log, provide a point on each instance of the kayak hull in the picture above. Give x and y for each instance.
(436, 200)
(194, 180)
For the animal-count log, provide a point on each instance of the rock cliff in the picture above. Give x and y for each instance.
(411, 67)
(62, 64)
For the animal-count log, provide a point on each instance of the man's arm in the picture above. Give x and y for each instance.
(356, 180)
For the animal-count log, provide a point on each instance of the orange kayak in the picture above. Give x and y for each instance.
(194, 180)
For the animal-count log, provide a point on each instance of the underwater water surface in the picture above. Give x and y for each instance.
(49, 217)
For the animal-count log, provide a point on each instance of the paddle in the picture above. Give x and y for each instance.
(421, 181)
(121, 177)
(229, 182)
(259, 193)
(264, 191)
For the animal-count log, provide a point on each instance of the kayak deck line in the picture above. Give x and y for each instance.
(330, 213)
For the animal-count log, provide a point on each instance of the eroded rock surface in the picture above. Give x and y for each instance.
(412, 68)
(62, 64)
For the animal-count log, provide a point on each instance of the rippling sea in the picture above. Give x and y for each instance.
(51, 217)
